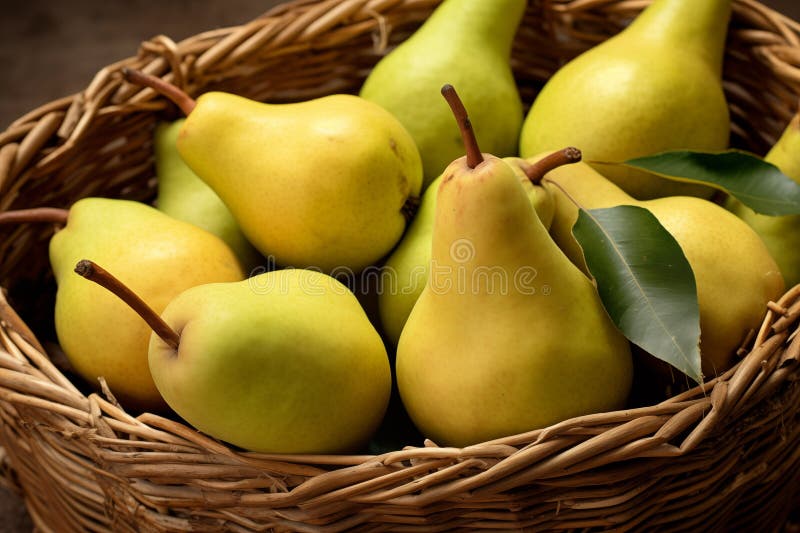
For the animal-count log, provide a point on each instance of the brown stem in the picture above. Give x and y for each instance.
(93, 272)
(36, 214)
(474, 156)
(180, 98)
(410, 207)
(536, 171)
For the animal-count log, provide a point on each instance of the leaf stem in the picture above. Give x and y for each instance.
(536, 171)
(566, 193)
(474, 156)
(93, 272)
(53, 215)
(179, 97)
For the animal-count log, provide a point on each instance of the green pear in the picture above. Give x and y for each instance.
(466, 43)
(182, 195)
(508, 335)
(656, 86)
(328, 183)
(157, 256)
(780, 234)
(284, 362)
(406, 271)
(734, 272)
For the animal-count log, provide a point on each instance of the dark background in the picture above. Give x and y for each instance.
(52, 49)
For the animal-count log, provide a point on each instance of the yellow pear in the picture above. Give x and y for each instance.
(406, 271)
(283, 362)
(734, 272)
(327, 183)
(656, 86)
(157, 256)
(780, 234)
(182, 195)
(508, 335)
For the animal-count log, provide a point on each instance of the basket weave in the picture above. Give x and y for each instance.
(722, 456)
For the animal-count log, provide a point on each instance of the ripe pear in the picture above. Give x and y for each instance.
(507, 335)
(540, 198)
(656, 86)
(184, 196)
(780, 234)
(734, 272)
(325, 183)
(284, 362)
(463, 41)
(157, 256)
(407, 269)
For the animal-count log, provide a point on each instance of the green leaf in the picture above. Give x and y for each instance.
(645, 282)
(754, 182)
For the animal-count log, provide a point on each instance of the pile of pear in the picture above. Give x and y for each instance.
(656, 86)
(225, 301)
(189, 311)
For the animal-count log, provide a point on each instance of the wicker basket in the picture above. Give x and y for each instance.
(722, 456)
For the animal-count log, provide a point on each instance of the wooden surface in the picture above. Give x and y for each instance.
(51, 49)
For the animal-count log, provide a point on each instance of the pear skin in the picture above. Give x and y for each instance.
(734, 272)
(461, 42)
(182, 195)
(285, 362)
(780, 234)
(157, 256)
(323, 183)
(654, 87)
(508, 335)
(407, 269)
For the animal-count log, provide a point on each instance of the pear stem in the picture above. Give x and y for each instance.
(474, 156)
(36, 214)
(537, 171)
(410, 207)
(179, 97)
(93, 272)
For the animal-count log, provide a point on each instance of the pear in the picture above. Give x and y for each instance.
(158, 257)
(284, 362)
(508, 335)
(656, 86)
(734, 272)
(462, 41)
(328, 183)
(184, 196)
(406, 271)
(780, 234)
(529, 176)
